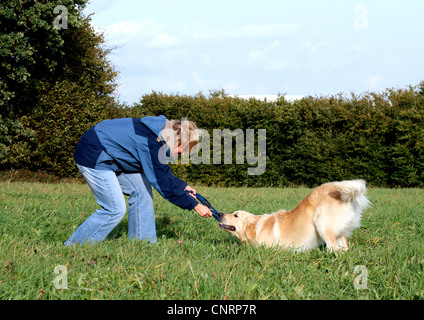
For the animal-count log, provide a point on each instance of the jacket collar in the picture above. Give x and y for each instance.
(156, 124)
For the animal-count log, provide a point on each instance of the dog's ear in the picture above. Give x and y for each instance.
(251, 229)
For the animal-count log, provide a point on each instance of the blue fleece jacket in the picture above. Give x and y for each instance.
(132, 145)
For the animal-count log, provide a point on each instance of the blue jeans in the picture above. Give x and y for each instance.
(109, 188)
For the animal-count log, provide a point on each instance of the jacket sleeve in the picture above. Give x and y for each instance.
(161, 177)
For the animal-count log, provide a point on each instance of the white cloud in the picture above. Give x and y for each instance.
(356, 48)
(270, 60)
(261, 55)
(202, 83)
(142, 28)
(264, 31)
(153, 35)
(174, 55)
(232, 86)
(278, 64)
(166, 35)
(162, 40)
(374, 81)
(255, 56)
(219, 33)
(310, 48)
(206, 59)
(164, 83)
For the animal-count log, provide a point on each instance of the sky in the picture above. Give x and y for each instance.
(266, 47)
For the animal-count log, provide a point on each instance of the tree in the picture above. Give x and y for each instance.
(44, 69)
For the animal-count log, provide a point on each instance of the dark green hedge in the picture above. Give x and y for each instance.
(376, 137)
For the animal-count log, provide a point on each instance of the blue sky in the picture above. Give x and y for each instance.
(265, 47)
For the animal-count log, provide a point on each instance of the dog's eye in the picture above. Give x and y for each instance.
(236, 215)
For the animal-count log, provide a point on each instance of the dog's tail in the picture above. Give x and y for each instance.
(353, 191)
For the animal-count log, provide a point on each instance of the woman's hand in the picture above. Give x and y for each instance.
(203, 211)
(192, 191)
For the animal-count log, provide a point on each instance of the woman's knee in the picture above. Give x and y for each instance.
(117, 209)
(137, 187)
(140, 196)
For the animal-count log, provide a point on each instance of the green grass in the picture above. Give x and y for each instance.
(194, 259)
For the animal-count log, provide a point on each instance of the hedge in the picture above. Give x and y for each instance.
(373, 136)
(376, 137)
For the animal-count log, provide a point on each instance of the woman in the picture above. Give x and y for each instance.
(129, 156)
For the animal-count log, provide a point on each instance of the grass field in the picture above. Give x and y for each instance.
(194, 259)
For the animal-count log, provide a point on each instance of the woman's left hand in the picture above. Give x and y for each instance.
(192, 191)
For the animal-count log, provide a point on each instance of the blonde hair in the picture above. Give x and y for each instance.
(186, 133)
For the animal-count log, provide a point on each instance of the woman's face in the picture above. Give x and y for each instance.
(180, 150)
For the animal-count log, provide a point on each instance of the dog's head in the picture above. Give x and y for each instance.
(239, 223)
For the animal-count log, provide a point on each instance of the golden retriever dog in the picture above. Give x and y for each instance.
(327, 215)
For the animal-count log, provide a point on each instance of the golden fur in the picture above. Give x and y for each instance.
(327, 215)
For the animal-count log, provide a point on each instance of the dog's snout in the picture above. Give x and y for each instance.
(221, 214)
